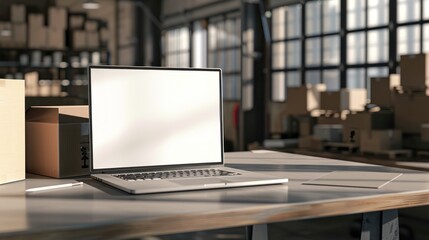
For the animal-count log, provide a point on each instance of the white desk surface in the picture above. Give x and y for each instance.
(101, 212)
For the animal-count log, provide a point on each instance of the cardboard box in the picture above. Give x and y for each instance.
(329, 132)
(38, 37)
(104, 35)
(31, 83)
(57, 141)
(306, 125)
(425, 132)
(76, 21)
(311, 143)
(36, 20)
(91, 25)
(12, 129)
(353, 99)
(380, 140)
(382, 90)
(415, 71)
(302, 100)
(18, 13)
(79, 39)
(19, 34)
(410, 112)
(6, 38)
(38, 33)
(56, 38)
(330, 101)
(366, 121)
(93, 40)
(57, 17)
(333, 119)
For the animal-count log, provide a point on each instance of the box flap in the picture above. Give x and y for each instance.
(58, 114)
(35, 114)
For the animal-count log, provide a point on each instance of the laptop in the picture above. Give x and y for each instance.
(156, 130)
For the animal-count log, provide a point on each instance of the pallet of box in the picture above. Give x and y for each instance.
(415, 71)
(382, 90)
(355, 123)
(411, 111)
(383, 142)
(345, 99)
(329, 132)
(311, 143)
(304, 99)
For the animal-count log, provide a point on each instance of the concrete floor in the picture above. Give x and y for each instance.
(413, 223)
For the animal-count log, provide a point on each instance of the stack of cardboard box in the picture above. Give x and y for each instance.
(410, 105)
(85, 32)
(366, 121)
(14, 32)
(37, 31)
(302, 100)
(92, 34)
(57, 27)
(382, 89)
(77, 32)
(345, 99)
(301, 103)
(6, 35)
(19, 26)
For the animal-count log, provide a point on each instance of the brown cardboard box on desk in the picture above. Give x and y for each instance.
(57, 141)
(12, 130)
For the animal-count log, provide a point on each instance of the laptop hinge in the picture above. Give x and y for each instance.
(157, 169)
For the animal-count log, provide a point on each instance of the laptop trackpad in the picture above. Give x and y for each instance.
(199, 181)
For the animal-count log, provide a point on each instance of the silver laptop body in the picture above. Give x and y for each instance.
(158, 130)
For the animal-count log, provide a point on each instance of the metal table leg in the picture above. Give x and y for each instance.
(382, 225)
(257, 232)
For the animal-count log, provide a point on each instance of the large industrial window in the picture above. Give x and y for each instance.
(224, 52)
(176, 47)
(413, 26)
(326, 50)
(305, 54)
(286, 50)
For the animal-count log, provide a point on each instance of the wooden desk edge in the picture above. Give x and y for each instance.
(230, 218)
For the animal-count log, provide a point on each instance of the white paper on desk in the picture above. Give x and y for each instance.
(355, 179)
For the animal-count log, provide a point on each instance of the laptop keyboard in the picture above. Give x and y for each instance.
(211, 172)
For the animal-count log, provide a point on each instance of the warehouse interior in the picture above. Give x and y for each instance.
(341, 79)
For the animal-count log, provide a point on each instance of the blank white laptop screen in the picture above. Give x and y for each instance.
(144, 117)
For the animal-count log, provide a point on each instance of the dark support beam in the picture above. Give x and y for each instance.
(148, 32)
(252, 119)
(393, 25)
(343, 44)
